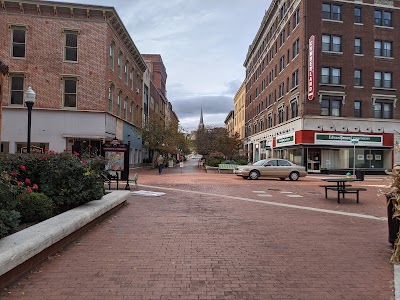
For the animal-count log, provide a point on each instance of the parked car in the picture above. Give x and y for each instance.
(278, 168)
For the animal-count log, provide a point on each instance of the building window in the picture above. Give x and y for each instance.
(281, 89)
(126, 108)
(18, 49)
(357, 77)
(294, 107)
(383, 79)
(357, 109)
(131, 112)
(17, 89)
(331, 12)
(296, 18)
(112, 47)
(330, 107)
(70, 91)
(331, 43)
(119, 64)
(383, 110)
(383, 18)
(331, 75)
(71, 46)
(281, 63)
(296, 48)
(282, 38)
(357, 46)
(382, 48)
(119, 103)
(131, 79)
(357, 15)
(295, 78)
(110, 98)
(126, 71)
(281, 114)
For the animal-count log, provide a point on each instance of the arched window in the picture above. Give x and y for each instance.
(110, 97)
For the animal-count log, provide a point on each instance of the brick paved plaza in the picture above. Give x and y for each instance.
(217, 236)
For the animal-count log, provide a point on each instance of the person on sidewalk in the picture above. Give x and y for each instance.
(160, 163)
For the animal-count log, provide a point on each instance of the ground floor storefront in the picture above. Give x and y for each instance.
(329, 152)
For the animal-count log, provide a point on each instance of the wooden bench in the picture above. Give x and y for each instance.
(330, 186)
(226, 167)
(347, 190)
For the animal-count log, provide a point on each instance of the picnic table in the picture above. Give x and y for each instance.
(341, 187)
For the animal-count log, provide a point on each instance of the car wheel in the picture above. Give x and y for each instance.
(254, 174)
(245, 177)
(294, 176)
(282, 178)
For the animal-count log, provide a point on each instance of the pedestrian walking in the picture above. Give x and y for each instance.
(160, 163)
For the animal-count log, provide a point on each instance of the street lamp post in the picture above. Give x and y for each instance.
(29, 96)
(354, 141)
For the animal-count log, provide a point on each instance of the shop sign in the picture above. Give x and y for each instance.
(346, 139)
(311, 67)
(285, 140)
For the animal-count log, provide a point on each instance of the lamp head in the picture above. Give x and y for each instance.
(29, 95)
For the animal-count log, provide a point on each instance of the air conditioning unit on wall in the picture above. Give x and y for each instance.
(137, 91)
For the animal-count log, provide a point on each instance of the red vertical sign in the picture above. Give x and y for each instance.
(311, 67)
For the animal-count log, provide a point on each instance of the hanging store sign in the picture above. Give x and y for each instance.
(311, 67)
(346, 139)
(285, 140)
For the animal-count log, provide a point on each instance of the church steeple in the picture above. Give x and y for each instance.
(201, 124)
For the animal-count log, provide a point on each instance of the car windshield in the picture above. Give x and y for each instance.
(260, 162)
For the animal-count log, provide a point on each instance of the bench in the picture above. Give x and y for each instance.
(347, 190)
(331, 186)
(226, 167)
(108, 176)
(135, 179)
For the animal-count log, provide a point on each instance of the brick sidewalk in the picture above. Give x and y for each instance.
(187, 245)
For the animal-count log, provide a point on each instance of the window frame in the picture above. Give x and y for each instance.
(119, 100)
(381, 51)
(331, 15)
(119, 63)
(14, 28)
(66, 47)
(381, 111)
(111, 90)
(330, 107)
(331, 44)
(330, 75)
(357, 18)
(381, 20)
(112, 53)
(382, 81)
(357, 110)
(64, 93)
(357, 47)
(20, 92)
(357, 80)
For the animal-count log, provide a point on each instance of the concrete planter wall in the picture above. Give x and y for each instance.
(21, 251)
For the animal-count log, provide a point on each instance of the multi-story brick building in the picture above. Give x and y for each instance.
(239, 111)
(320, 74)
(85, 69)
(3, 71)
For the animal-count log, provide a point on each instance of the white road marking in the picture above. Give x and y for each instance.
(258, 191)
(294, 196)
(286, 192)
(264, 195)
(327, 211)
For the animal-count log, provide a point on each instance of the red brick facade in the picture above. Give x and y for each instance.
(44, 67)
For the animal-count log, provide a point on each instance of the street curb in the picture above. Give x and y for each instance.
(19, 247)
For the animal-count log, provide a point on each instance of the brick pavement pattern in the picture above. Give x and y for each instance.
(186, 245)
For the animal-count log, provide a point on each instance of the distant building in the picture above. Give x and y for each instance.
(239, 111)
(201, 123)
(320, 74)
(85, 69)
(229, 123)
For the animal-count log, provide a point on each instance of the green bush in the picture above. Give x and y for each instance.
(213, 162)
(9, 220)
(241, 161)
(34, 207)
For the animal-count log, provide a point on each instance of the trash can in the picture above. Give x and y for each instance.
(393, 224)
(360, 174)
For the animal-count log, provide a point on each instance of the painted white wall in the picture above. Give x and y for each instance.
(52, 126)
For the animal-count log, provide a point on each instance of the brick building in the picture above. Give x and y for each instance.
(229, 123)
(3, 72)
(85, 69)
(319, 74)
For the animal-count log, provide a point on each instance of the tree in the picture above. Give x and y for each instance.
(217, 139)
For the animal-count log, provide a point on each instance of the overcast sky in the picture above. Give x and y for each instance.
(203, 44)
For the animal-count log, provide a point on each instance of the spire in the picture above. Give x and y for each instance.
(201, 124)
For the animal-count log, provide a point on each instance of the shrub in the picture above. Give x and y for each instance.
(9, 220)
(34, 207)
(213, 162)
(241, 161)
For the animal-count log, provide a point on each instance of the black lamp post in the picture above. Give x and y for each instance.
(29, 96)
